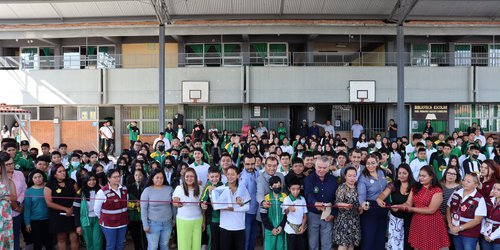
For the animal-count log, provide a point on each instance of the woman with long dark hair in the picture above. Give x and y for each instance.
(86, 220)
(489, 173)
(424, 201)
(346, 227)
(62, 223)
(189, 217)
(8, 200)
(135, 189)
(36, 213)
(397, 193)
(156, 210)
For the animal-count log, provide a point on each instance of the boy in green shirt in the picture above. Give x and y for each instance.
(272, 216)
(133, 133)
(211, 215)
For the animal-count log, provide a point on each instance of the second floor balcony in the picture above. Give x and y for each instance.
(356, 59)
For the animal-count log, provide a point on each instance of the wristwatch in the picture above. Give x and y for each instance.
(461, 228)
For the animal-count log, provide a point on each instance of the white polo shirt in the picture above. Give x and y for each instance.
(235, 220)
(294, 217)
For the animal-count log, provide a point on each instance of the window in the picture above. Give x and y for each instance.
(46, 113)
(485, 115)
(34, 111)
(420, 54)
(494, 55)
(213, 54)
(69, 113)
(146, 117)
(87, 113)
(222, 117)
(271, 116)
(439, 55)
(462, 54)
(71, 57)
(30, 59)
(269, 54)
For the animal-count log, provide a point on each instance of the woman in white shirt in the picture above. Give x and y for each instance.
(232, 219)
(189, 218)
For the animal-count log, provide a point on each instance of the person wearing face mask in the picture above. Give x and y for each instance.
(159, 155)
(184, 156)
(74, 165)
(100, 175)
(472, 164)
(170, 172)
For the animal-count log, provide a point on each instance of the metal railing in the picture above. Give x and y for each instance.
(338, 59)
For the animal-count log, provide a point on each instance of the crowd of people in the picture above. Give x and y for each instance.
(216, 190)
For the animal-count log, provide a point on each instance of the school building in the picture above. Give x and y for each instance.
(229, 62)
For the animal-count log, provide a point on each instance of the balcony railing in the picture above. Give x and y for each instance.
(363, 59)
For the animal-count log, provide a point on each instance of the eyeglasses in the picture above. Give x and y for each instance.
(371, 163)
(452, 174)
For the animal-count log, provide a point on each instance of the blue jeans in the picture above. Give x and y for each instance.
(319, 230)
(159, 233)
(251, 228)
(489, 245)
(464, 243)
(114, 237)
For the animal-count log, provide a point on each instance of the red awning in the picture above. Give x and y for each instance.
(4, 108)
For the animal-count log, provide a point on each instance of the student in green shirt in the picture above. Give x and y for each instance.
(133, 133)
(211, 216)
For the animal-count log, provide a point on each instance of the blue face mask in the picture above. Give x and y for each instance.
(75, 164)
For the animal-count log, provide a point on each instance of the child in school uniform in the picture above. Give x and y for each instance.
(232, 218)
(294, 206)
(211, 216)
(272, 216)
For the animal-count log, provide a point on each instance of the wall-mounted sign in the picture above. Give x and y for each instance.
(256, 111)
(430, 112)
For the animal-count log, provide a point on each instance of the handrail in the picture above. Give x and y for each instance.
(339, 59)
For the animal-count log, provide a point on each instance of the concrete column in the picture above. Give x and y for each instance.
(245, 113)
(309, 58)
(451, 55)
(57, 126)
(118, 130)
(182, 50)
(451, 118)
(245, 50)
(58, 56)
(402, 124)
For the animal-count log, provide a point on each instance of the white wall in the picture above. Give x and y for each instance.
(330, 84)
(39, 87)
(488, 84)
(140, 86)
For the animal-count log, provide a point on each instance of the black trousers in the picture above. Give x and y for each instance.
(40, 235)
(295, 242)
(214, 236)
(138, 235)
(232, 240)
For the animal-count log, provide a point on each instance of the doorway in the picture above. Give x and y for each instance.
(297, 114)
